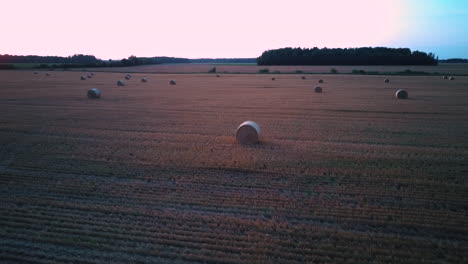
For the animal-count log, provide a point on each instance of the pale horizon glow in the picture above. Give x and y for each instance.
(221, 29)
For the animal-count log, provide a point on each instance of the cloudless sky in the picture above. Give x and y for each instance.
(222, 29)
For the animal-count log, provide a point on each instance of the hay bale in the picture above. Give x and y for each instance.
(35, 72)
(386, 80)
(47, 74)
(320, 81)
(248, 133)
(273, 78)
(445, 77)
(90, 76)
(94, 93)
(92, 73)
(127, 77)
(172, 82)
(401, 94)
(217, 75)
(120, 83)
(144, 80)
(318, 89)
(303, 77)
(83, 78)
(452, 78)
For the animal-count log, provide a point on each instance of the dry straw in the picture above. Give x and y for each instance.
(401, 94)
(248, 133)
(94, 93)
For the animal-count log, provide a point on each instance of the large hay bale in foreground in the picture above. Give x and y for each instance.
(386, 80)
(83, 78)
(172, 82)
(401, 94)
(248, 133)
(320, 81)
(144, 80)
(318, 89)
(120, 83)
(94, 93)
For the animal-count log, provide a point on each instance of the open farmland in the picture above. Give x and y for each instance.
(151, 173)
(442, 68)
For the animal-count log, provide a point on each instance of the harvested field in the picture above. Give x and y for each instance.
(447, 68)
(151, 172)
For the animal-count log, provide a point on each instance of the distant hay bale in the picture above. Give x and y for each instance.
(273, 78)
(127, 77)
(303, 77)
(172, 82)
(401, 94)
(92, 73)
(320, 81)
(318, 89)
(144, 80)
(47, 74)
(217, 75)
(386, 80)
(248, 133)
(452, 78)
(83, 78)
(35, 72)
(90, 76)
(94, 93)
(445, 77)
(120, 83)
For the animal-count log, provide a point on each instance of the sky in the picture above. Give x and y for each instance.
(116, 29)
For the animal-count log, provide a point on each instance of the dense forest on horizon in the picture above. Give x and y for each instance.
(346, 56)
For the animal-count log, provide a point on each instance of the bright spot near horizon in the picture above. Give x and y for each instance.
(212, 29)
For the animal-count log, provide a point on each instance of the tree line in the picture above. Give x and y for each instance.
(346, 56)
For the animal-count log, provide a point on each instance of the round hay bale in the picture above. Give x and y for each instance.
(217, 75)
(303, 77)
(318, 89)
(248, 133)
(35, 72)
(47, 74)
(94, 93)
(401, 94)
(273, 78)
(320, 81)
(144, 80)
(386, 80)
(452, 78)
(127, 77)
(92, 73)
(172, 82)
(90, 76)
(120, 83)
(83, 78)
(445, 77)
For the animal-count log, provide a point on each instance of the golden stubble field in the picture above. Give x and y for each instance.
(151, 173)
